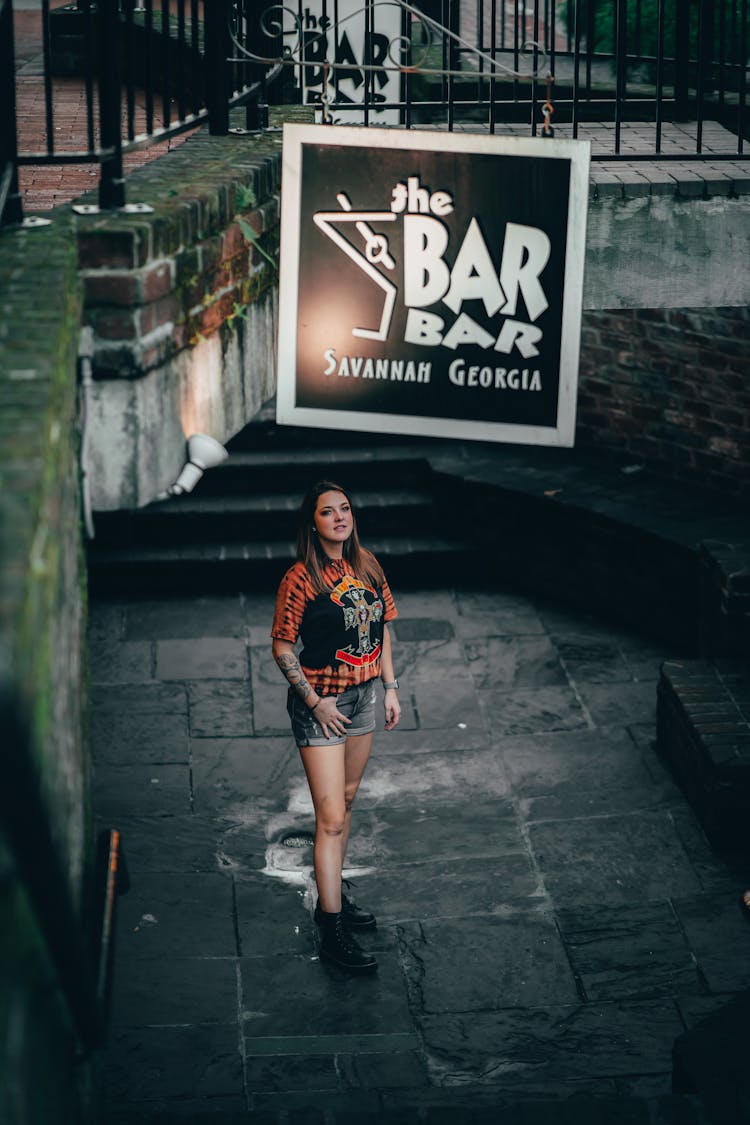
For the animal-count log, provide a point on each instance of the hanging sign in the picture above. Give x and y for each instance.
(349, 55)
(431, 283)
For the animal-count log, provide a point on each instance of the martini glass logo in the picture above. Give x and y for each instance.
(376, 252)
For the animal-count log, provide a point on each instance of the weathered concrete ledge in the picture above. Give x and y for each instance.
(667, 251)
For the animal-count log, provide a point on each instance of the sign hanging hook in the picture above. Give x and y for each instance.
(547, 110)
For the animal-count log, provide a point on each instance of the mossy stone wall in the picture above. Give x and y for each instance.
(42, 658)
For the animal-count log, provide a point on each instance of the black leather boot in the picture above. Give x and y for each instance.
(355, 917)
(338, 946)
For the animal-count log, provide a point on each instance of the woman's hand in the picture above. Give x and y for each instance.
(328, 715)
(392, 708)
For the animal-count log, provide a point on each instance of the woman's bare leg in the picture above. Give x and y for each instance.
(326, 776)
(355, 761)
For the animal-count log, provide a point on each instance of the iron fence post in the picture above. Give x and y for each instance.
(218, 49)
(706, 20)
(111, 181)
(621, 75)
(682, 60)
(11, 205)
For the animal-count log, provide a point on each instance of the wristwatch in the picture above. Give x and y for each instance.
(390, 684)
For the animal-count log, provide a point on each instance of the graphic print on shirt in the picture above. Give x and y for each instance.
(359, 614)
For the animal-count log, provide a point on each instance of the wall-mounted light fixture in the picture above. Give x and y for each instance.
(204, 452)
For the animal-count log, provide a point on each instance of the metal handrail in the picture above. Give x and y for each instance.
(679, 53)
(108, 63)
(80, 953)
(695, 62)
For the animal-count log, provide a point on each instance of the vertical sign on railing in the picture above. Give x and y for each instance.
(337, 39)
(431, 283)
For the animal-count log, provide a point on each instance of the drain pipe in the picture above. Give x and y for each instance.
(85, 357)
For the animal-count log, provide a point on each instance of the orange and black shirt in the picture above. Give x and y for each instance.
(341, 630)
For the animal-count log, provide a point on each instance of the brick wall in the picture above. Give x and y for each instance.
(155, 287)
(670, 388)
(181, 299)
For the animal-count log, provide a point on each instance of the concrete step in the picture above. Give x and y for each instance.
(484, 1107)
(268, 471)
(256, 518)
(227, 567)
(703, 733)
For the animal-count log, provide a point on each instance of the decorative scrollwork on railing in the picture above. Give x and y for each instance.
(310, 49)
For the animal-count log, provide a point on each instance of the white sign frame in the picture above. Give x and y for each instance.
(288, 413)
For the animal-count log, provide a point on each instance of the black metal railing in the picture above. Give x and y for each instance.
(454, 63)
(145, 71)
(150, 69)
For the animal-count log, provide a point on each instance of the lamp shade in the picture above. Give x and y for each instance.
(204, 452)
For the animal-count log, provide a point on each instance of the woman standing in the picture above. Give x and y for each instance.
(336, 599)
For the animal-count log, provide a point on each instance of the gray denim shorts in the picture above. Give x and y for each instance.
(357, 703)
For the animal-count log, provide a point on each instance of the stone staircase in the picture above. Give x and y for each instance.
(470, 1106)
(236, 531)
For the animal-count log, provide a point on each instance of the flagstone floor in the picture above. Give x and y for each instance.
(550, 915)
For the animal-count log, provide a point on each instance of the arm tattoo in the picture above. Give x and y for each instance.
(289, 665)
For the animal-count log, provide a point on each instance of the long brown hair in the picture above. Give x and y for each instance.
(310, 552)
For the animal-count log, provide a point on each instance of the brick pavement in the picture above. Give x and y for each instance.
(550, 915)
(47, 186)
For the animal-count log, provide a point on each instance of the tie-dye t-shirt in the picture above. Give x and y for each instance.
(341, 630)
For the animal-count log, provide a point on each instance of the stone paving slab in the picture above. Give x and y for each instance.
(455, 831)
(525, 1048)
(449, 888)
(228, 773)
(134, 737)
(515, 960)
(506, 663)
(629, 953)
(213, 658)
(272, 916)
(629, 703)
(458, 736)
(574, 762)
(147, 787)
(612, 859)
(146, 698)
(718, 935)
(181, 842)
(174, 916)
(592, 660)
(713, 872)
(398, 781)
(495, 615)
(189, 991)
(301, 1009)
(530, 711)
(149, 1063)
(220, 708)
(437, 710)
(115, 662)
(571, 803)
(186, 617)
